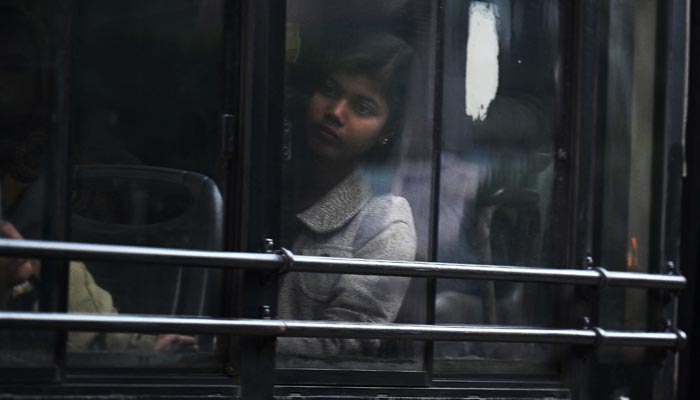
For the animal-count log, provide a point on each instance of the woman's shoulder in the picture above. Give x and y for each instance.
(389, 206)
(386, 229)
(385, 212)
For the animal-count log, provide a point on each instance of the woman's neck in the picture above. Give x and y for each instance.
(318, 178)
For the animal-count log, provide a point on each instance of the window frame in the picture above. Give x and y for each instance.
(254, 43)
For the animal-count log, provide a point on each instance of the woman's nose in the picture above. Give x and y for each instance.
(338, 110)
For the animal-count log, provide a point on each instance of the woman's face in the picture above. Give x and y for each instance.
(346, 117)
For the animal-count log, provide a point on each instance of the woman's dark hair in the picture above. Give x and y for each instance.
(381, 57)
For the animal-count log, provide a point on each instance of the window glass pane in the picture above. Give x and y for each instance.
(626, 240)
(501, 108)
(630, 220)
(139, 88)
(147, 100)
(26, 71)
(357, 170)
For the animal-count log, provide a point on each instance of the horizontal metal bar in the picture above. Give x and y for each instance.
(295, 263)
(290, 328)
(137, 254)
(597, 276)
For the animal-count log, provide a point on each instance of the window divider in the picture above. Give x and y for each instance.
(439, 12)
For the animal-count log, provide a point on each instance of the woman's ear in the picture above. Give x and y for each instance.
(386, 136)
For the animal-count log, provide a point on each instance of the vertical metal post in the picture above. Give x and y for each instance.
(439, 12)
(689, 320)
(264, 45)
(234, 145)
(234, 182)
(670, 112)
(583, 71)
(54, 293)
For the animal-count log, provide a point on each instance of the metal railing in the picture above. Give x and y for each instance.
(291, 328)
(285, 261)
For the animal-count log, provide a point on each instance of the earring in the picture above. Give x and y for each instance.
(385, 140)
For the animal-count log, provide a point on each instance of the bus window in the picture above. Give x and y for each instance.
(148, 97)
(355, 101)
(501, 112)
(144, 154)
(537, 134)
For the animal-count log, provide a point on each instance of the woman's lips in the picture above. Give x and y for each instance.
(328, 134)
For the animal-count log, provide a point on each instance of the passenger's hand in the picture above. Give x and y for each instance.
(172, 343)
(13, 271)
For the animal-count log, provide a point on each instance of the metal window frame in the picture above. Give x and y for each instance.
(671, 113)
(690, 226)
(583, 62)
(262, 110)
(579, 223)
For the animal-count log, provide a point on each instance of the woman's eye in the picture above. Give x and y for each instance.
(365, 108)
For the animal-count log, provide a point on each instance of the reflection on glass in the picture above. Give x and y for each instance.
(145, 206)
(347, 133)
(146, 148)
(625, 238)
(501, 85)
(145, 102)
(24, 123)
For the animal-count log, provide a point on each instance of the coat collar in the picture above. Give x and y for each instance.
(338, 206)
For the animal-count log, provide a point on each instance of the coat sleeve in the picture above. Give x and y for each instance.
(85, 296)
(386, 233)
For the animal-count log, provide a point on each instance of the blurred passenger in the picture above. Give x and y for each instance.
(24, 143)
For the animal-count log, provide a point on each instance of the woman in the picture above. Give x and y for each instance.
(352, 118)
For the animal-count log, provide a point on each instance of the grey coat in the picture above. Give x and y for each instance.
(348, 222)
